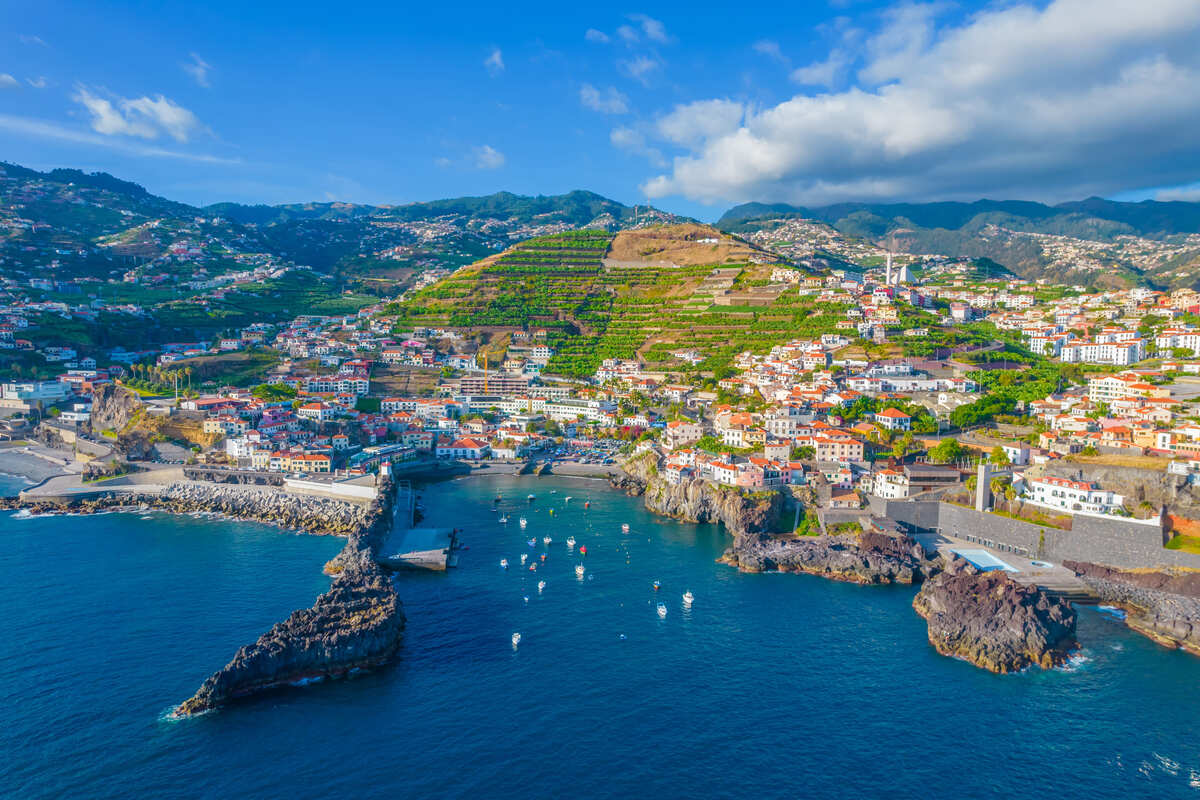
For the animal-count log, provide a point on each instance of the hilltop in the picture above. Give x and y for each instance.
(679, 297)
(1095, 241)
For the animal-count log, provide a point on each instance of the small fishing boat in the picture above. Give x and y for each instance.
(570, 541)
(546, 540)
(533, 567)
(624, 527)
(543, 558)
(516, 639)
(504, 520)
(662, 611)
(531, 542)
(688, 598)
(621, 637)
(583, 549)
(567, 499)
(554, 491)
(587, 503)
(579, 570)
(523, 522)
(529, 497)
(541, 586)
(657, 585)
(504, 563)
(552, 512)
(524, 558)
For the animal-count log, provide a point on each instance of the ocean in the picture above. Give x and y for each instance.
(770, 685)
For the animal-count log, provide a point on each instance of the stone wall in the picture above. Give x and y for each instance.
(1102, 541)
(917, 515)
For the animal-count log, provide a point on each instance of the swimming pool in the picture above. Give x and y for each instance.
(984, 560)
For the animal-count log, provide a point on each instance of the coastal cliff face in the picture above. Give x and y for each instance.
(1164, 606)
(994, 622)
(112, 407)
(868, 558)
(356, 625)
(741, 511)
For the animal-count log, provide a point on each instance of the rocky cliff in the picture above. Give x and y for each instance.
(742, 511)
(994, 622)
(868, 558)
(1165, 606)
(113, 407)
(356, 625)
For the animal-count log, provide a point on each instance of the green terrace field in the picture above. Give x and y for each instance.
(592, 311)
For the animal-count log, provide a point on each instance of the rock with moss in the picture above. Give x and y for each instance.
(867, 558)
(994, 622)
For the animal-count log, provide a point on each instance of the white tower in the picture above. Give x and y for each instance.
(887, 280)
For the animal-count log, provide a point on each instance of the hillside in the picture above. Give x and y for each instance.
(599, 295)
(1099, 242)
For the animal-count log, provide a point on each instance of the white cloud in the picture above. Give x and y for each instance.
(608, 101)
(654, 30)
(599, 37)
(198, 68)
(40, 82)
(692, 124)
(1187, 194)
(41, 130)
(30, 39)
(826, 72)
(639, 67)
(8, 81)
(628, 34)
(142, 117)
(770, 49)
(494, 63)
(634, 141)
(1020, 100)
(488, 157)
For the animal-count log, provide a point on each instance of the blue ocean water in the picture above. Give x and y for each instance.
(771, 685)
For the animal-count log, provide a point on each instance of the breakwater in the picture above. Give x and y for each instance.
(1164, 606)
(356, 625)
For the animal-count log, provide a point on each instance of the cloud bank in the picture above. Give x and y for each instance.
(1073, 98)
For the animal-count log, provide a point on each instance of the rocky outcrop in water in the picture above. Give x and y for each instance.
(356, 625)
(994, 622)
(742, 511)
(1162, 605)
(868, 558)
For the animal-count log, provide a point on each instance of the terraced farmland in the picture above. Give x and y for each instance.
(624, 310)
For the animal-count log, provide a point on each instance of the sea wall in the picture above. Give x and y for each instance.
(356, 625)
(1091, 539)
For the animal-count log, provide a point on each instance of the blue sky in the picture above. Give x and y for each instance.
(691, 109)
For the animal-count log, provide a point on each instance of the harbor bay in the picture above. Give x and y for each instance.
(768, 683)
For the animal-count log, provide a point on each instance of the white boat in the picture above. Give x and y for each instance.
(523, 522)
(546, 540)
(531, 542)
(625, 527)
(504, 563)
(579, 571)
(662, 611)
(541, 585)
(568, 499)
(529, 498)
(516, 639)
(570, 541)
(524, 558)
(688, 598)
(504, 520)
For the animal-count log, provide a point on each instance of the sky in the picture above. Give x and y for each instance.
(690, 109)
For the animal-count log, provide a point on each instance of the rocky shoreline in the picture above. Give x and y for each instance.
(316, 515)
(867, 558)
(1161, 605)
(695, 500)
(994, 622)
(356, 625)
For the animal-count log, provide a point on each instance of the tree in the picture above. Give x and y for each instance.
(947, 450)
(999, 457)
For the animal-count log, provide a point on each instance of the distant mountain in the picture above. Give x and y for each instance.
(1015, 234)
